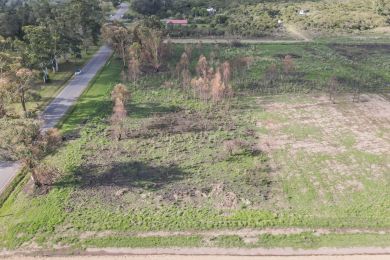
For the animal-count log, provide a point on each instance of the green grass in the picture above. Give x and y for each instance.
(95, 102)
(145, 242)
(178, 174)
(307, 240)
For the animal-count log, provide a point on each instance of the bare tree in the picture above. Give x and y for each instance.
(151, 46)
(134, 66)
(188, 48)
(120, 96)
(220, 84)
(201, 85)
(202, 68)
(183, 71)
(217, 86)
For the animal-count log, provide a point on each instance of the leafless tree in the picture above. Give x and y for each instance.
(151, 46)
(120, 96)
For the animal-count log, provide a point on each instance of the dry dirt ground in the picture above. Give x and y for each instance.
(181, 257)
(354, 137)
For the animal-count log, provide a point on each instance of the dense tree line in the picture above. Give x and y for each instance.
(35, 34)
(260, 17)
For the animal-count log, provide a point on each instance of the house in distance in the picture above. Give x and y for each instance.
(176, 22)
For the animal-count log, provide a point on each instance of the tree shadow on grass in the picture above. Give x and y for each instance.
(128, 175)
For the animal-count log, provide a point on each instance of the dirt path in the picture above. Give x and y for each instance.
(295, 32)
(181, 257)
(220, 40)
(244, 233)
(292, 30)
(325, 251)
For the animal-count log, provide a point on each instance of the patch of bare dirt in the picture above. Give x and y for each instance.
(365, 120)
(182, 122)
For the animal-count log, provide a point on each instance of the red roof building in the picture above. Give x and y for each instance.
(177, 22)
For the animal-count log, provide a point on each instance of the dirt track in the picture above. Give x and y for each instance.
(168, 257)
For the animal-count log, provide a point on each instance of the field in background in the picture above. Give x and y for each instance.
(278, 157)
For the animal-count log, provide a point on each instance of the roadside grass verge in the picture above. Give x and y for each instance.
(44, 93)
(95, 101)
(306, 240)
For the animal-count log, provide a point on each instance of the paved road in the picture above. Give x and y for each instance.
(68, 96)
(8, 171)
(65, 99)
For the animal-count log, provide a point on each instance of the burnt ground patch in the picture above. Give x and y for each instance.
(359, 51)
(183, 122)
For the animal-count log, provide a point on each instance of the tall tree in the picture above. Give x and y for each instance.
(151, 41)
(90, 17)
(24, 80)
(22, 140)
(37, 48)
(119, 38)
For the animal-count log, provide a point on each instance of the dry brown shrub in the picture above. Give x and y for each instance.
(201, 85)
(213, 58)
(233, 147)
(183, 72)
(217, 87)
(119, 111)
(45, 174)
(199, 45)
(271, 73)
(202, 68)
(333, 85)
(288, 64)
(188, 48)
(120, 95)
(53, 138)
(226, 72)
(134, 69)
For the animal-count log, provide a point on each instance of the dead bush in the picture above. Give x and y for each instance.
(234, 147)
(120, 95)
(271, 73)
(288, 64)
(45, 174)
(333, 85)
(183, 72)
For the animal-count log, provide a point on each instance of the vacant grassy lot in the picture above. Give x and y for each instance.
(278, 160)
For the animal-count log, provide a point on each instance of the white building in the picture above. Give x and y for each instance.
(211, 10)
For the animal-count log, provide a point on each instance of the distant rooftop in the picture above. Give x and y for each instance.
(174, 21)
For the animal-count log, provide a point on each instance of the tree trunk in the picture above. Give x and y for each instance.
(23, 101)
(57, 65)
